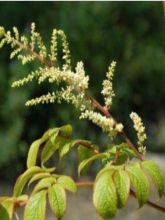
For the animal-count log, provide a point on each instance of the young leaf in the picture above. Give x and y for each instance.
(85, 162)
(22, 199)
(65, 147)
(44, 184)
(50, 147)
(66, 130)
(6, 209)
(24, 178)
(104, 196)
(33, 152)
(67, 183)
(84, 153)
(156, 174)
(35, 208)
(108, 168)
(38, 176)
(57, 200)
(122, 183)
(48, 134)
(140, 183)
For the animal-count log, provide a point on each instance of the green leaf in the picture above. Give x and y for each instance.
(66, 146)
(36, 207)
(122, 183)
(66, 130)
(85, 162)
(23, 198)
(24, 178)
(50, 147)
(104, 196)
(33, 152)
(122, 158)
(140, 183)
(67, 183)
(6, 209)
(156, 174)
(131, 154)
(84, 153)
(44, 184)
(57, 200)
(48, 134)
(38, 176)
(108, 168)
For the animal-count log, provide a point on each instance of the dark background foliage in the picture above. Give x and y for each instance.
(131, 33)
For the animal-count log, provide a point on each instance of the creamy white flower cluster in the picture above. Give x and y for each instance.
(107, 124)
(140, 129)
(44, 99)
(74, 83)
(25, 48)
(77, 80)
(107, 85)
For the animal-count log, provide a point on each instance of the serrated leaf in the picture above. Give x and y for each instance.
(139, 182)
(57, 200)
(24, 178)
(38, 176)
(6, 209)
(104, 196)
(67, 183)
(156, 174)
(36, 207)
(85, 162)
(33, 152)
(44, 184)
(122, 184)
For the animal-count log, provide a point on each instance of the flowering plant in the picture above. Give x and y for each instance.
(124, 172)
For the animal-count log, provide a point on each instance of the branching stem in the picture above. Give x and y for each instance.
(106, 113)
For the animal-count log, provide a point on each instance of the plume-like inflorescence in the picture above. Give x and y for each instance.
(73, 84)
(108, 86)
(140, 129)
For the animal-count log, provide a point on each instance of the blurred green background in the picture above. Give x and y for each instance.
(132, 33)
